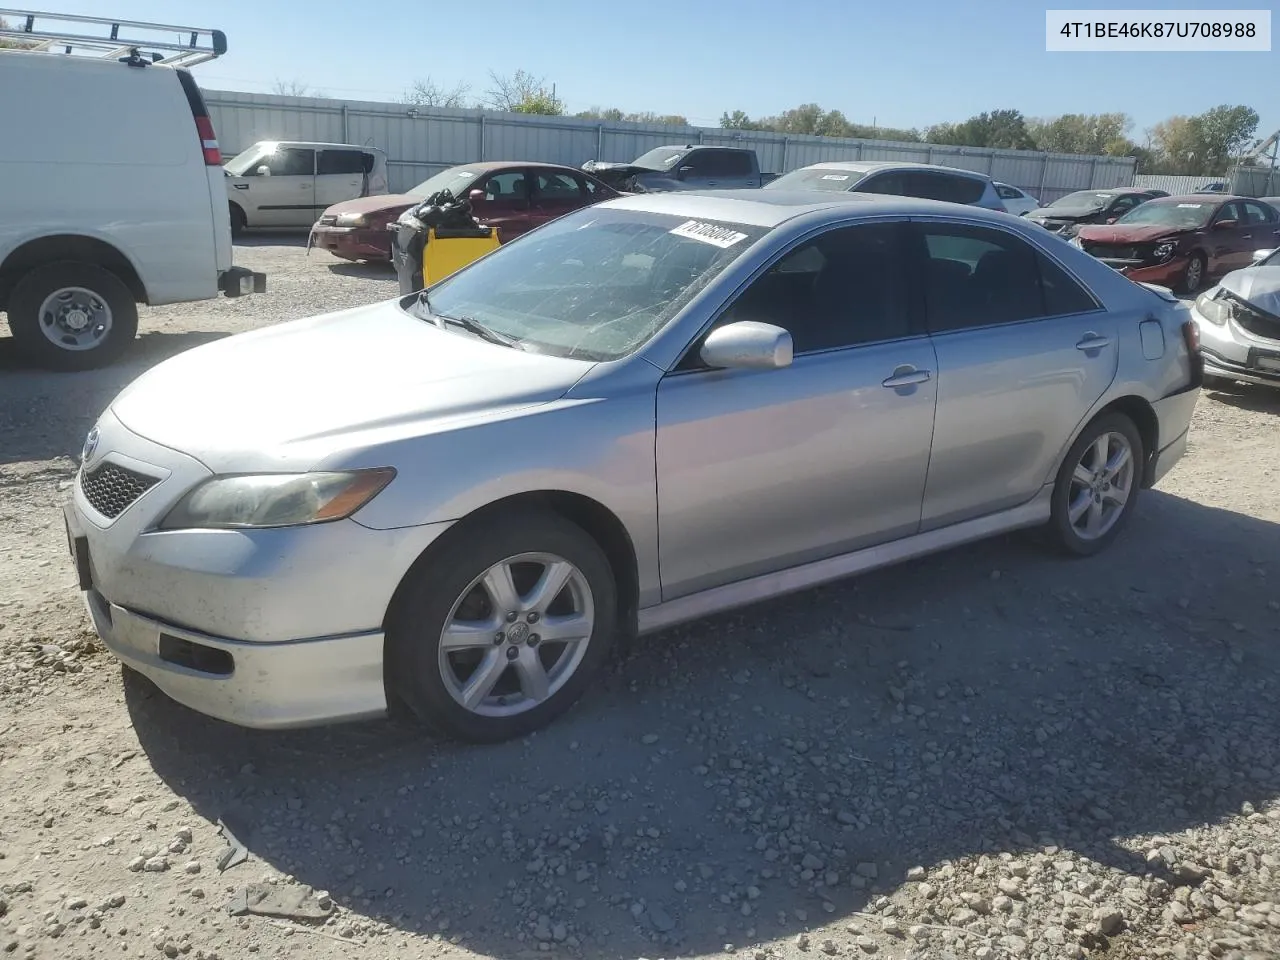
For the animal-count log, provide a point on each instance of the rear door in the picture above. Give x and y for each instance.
(1023, 352)
(739, 169)
(285, 195)
(555, 193)
(339, 176)
(506, 202)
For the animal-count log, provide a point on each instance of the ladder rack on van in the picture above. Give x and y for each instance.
(182, 47)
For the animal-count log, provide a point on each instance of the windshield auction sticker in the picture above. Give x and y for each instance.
(1130, 31)
(709, 233)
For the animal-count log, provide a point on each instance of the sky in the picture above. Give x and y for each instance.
(898, 64)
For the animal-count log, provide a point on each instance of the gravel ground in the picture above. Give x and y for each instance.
(991, 753)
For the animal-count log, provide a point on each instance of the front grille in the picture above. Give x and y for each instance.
(110, 488)
(1112, 251)
(1256, 322)
(328, 220)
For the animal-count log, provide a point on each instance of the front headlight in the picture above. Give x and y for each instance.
(1215, 311)
(1164, 251)
(276, 499)
(352, 220)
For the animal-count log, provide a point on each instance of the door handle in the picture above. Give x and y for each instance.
(1092, 341)
(906, 377)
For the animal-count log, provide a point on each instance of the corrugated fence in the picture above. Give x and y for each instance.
(424, 140)
(1243, 181)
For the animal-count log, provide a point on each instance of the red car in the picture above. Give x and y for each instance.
(1179, 242)
(514, 197)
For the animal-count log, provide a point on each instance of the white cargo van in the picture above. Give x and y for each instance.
(112, 191)
(278, 183)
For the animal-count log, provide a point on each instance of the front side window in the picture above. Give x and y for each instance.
(509, 187)
(843, 288)
(978, 276)
(1123, 205)
(595, 284)
(291, 162)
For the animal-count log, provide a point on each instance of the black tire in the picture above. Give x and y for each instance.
(28, 327)
(1064, 532)
(440, 580)
(238, 220)
(1193, 277)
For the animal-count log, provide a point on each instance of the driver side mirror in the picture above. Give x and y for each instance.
(684, 172)
(263, 171)
(477, 196)
(1112, 219)
(1260, 255)
(749, 345)
(1225, 224)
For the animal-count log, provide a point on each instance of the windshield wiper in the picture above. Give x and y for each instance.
(469, 324)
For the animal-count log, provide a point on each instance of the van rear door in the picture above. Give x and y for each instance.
(220, 219)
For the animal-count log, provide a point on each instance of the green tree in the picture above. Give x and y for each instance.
(1084, 133)
(1000, 129)
(522, 92)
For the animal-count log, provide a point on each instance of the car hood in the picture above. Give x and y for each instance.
(392, 203)
(1260, 286)
(1130, 233)
(319, 390)
(1061, 213)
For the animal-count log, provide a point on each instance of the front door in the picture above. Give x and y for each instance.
(506, 203)
(1023, 353)
(1230, 239)
(759, 470)
(555, 193)
(339, 176)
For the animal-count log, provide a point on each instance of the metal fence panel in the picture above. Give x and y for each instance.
(424, 140)
(1174, 185)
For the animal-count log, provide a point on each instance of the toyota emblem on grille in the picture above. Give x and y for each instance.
(90, 446)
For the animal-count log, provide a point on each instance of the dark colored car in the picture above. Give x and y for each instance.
(1066, 215)
(1179, 242)
(515, 197)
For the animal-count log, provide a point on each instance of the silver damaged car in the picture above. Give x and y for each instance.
(1239, 323)
(642, 413)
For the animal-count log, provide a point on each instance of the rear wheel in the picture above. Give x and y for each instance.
(72, 316)
(238, 221)
(1097, 485)
(501, 630)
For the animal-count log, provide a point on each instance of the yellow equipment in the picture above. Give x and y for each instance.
(449, 250)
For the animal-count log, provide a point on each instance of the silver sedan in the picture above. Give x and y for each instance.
(642, 413)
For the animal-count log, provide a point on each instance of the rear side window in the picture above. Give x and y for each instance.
(945, 186)
(340, 161)
(737, 164)
(977, 276)
(1008, 193)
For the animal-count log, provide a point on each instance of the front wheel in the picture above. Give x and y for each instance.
(1097, 485)
(1193, 275)
(72, 316)
(500, 631)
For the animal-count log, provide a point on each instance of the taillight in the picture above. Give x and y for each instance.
(1191, 337)
(208, 142)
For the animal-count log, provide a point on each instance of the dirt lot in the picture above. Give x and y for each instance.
(992, 753)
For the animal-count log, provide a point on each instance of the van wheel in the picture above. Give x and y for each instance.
(1097, 485)
(238, 221)
(72, 316)
(501, 630)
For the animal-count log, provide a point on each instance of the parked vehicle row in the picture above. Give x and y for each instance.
(660, 407)
(684, 167)
(1066, 215)
(926, 181)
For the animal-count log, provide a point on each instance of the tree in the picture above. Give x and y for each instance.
(1083, 133)
(295, 88)
(522, 92)
(999, 129)
(809, 119)
(613, 114)
(428, 93)
(1224, 133)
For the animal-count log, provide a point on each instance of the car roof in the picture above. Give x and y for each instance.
(868, 166)
(771, 208)
(320, 143)
(1204, 197)
(486, 165)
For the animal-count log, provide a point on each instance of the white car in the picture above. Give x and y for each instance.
(112, 191)
(289, 184)
(1018, 202)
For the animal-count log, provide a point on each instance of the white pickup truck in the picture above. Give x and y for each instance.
(112, 191)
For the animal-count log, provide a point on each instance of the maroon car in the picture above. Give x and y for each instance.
(514, 197)
(1180, 242)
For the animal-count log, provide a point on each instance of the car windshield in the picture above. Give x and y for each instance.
(455, 180)
(595, 284)
(1170, 213)
(245, 159)
(1083, 200)
(663, 158)
(817, 179)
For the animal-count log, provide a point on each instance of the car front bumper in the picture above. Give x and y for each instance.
(263, 628)
(352, 243)
(1235, 354)
(1166, 274)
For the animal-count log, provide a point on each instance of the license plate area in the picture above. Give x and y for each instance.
(79, 547)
